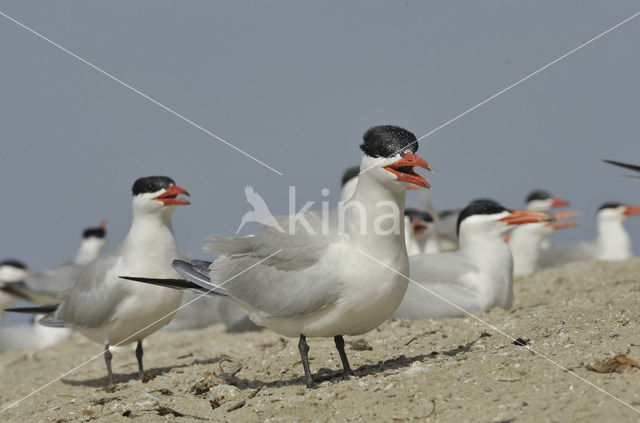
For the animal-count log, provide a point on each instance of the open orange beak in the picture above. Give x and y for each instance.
(564, 225)
(631, 210)
(559, 202)
(418, 226)
(403, 169)
(565, 215)
(518, 217)
(169, 197)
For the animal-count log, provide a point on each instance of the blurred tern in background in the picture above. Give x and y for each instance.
(349, 183)
(612, 243)
(477, 277)
(319, 283)
(43, 288)
(526, 241)
(109, 310)
(12, 275)
(420, 232)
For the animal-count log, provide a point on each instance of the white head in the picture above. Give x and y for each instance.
(486, 219)
(543, 201)
(93, 242)
(13, 271)
(157, 195)
(616, 212)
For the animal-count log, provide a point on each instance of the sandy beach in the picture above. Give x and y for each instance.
(463, 369)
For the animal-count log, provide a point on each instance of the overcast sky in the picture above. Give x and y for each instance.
(295, 84)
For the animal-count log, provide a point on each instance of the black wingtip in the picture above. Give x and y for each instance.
(34, 310)
(167, 283)
(624, 165)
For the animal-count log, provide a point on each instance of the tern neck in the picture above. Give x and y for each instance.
(525, 247)
(613, 240)
(89, 250)
(375, 212)
(152, 233)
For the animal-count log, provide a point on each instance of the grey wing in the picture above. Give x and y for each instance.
(91, 301)
(281, 273)
(441, 268)
(558, 255)
(55, 280)
(439, 289)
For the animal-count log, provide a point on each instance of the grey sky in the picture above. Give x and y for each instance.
(296, 84)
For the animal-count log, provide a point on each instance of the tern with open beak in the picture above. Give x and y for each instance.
(111, 311)
(321, 276)
(475, 278)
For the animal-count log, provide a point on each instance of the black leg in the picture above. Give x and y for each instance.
(139, 353)
(346, 369)
(304, 349)
(107, 359)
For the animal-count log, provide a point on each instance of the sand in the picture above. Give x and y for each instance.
(429, 370)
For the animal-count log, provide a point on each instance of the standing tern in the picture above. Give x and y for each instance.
(111, 311)
(612, 243)
(477, 277)
(420, 232)
(313, 279)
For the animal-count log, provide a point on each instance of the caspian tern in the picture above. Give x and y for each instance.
(111, 311)
(314, 279)
(543, 201)
(420, 232)
(12, 276)
(612, 243)
(349, 182)
(477, 277)
(526, 242)
(43, 288)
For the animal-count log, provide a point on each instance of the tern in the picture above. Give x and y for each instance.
(612, 243)
(420, 232)
(12, 275)
(313, 278)
(526, 243)
(44, 287)
(111, 311)
(477, 277)
(349, 182)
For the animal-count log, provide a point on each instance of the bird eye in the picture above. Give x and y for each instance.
(150, 187)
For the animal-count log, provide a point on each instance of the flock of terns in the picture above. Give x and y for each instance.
(345, 276)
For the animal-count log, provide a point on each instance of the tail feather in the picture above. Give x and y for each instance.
(198, 274)
(48, 309)
(195, 281)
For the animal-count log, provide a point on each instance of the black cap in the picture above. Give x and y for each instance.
(151, 184)
(349, 174)
(412, 213)
(14, 263)
(387, 141)
(539, 195)
(610, 205)
(480, 207)
(94, 233)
